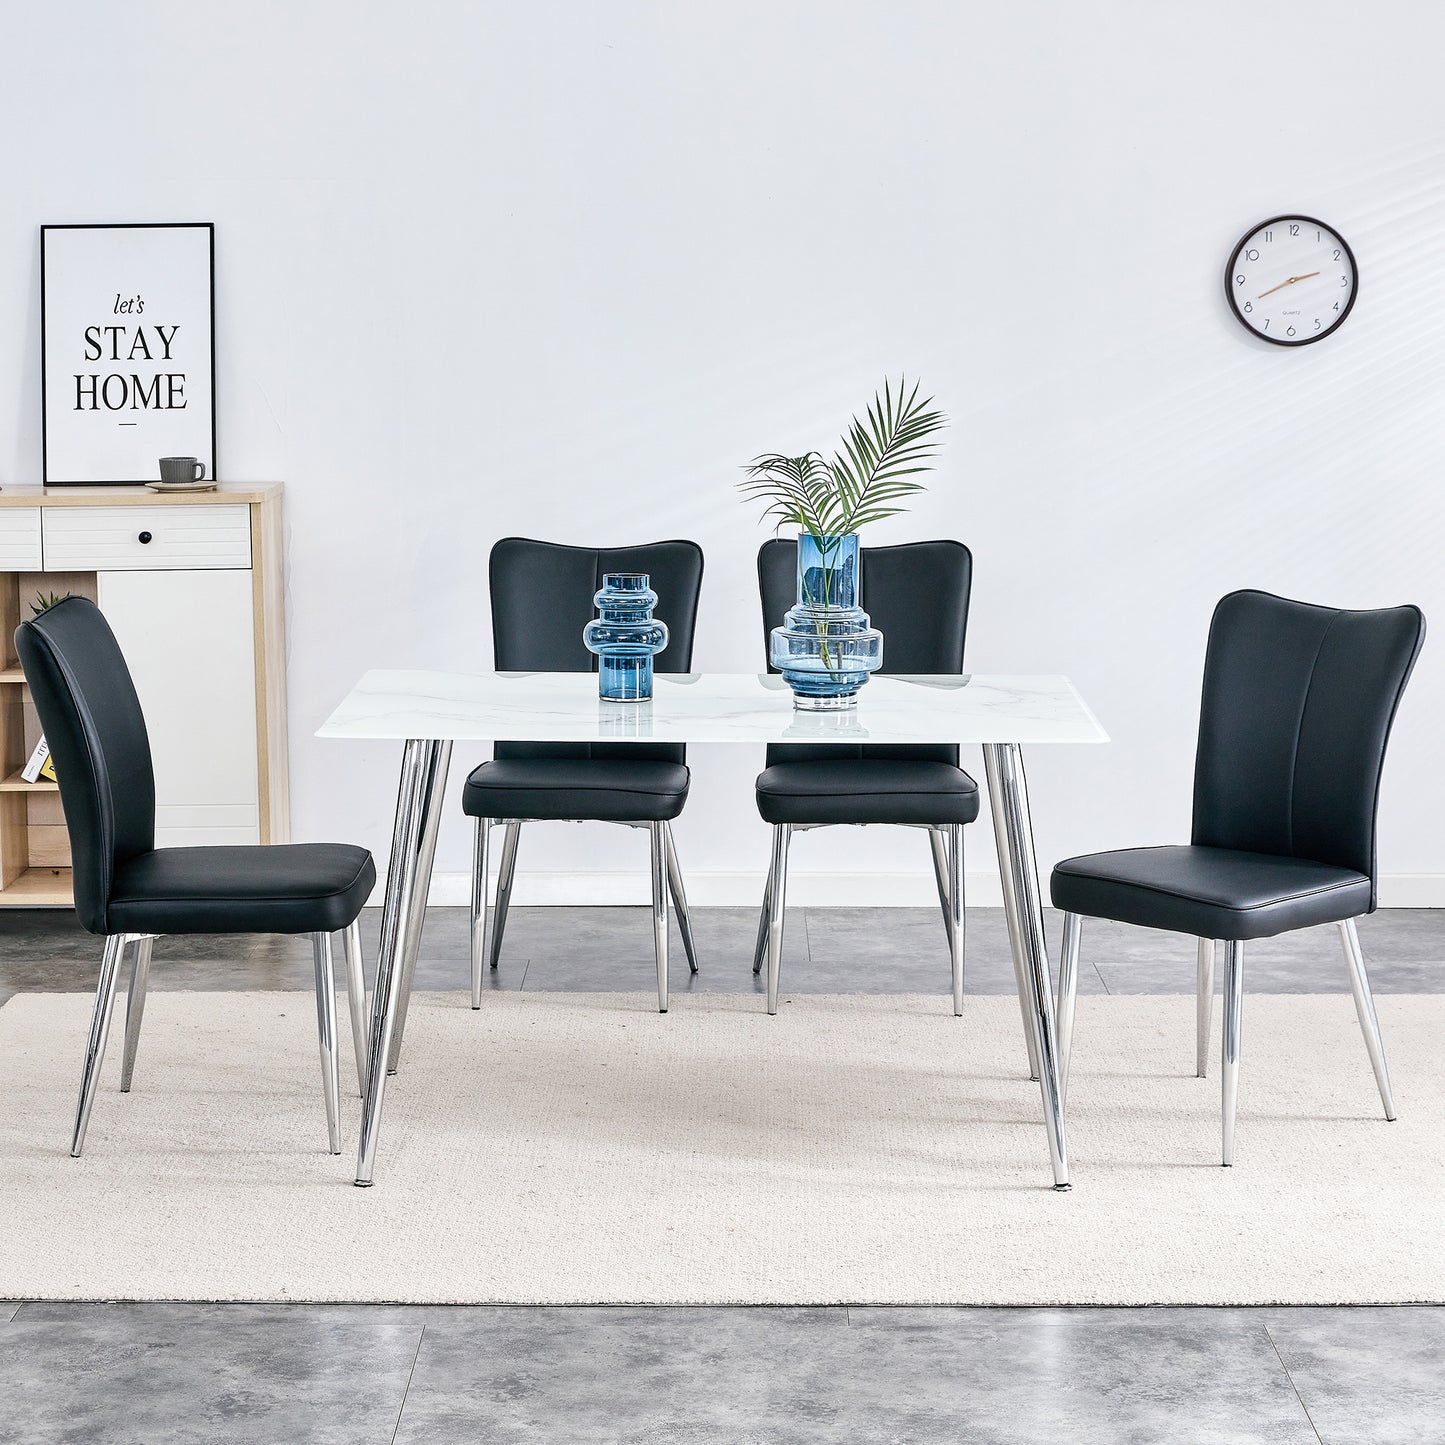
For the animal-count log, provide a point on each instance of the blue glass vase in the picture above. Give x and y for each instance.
(826, 648)
(625, 637)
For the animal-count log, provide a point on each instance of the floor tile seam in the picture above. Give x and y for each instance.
(1274, 1345)
(406, 1389)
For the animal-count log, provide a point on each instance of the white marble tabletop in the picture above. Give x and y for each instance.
(717, 707)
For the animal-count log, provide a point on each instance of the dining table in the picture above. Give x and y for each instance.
(428, 712)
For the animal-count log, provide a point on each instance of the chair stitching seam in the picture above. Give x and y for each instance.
(1299, 728)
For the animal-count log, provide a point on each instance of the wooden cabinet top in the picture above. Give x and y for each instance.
(226, 492)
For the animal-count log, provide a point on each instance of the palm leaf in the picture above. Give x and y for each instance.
(866, 476)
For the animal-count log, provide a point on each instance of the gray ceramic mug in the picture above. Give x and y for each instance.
(181, 469)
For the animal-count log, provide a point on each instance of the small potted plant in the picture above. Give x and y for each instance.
(826, 648)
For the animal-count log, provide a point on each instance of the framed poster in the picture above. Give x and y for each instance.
(128, 350)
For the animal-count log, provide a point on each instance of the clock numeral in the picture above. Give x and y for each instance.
(1251, 255)
(1294, 230)
(1290, 332)
(1337, 253)
(1344, 280)
(1319, 236)
(1249, 305)
(1269, 235)
(1317, 323)
(1266, 323)
(1337, 305)
(1239, 280)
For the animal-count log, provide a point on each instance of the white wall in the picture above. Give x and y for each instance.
(558, 269)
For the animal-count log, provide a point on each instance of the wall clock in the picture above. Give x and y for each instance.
(1291, 280)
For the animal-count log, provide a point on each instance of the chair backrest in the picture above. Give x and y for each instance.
(917, 596)
(92, 720)
(1298, 704)
(542, 599)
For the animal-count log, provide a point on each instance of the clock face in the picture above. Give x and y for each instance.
(1291, 280)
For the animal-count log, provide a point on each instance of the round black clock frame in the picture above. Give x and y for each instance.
(1231, 268)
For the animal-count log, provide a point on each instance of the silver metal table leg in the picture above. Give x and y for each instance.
(1008, 796)
(1068, 994)
(411, 938)
(777, 905)
(326, 1033)
(506, 871)
(955, 913)
(679, 898)
(479, 906)
(659, 908)
(356, 999)
(99, 1032)
(1233, 1031)
(1203, 1006)
(1010, 904)
(135, 1007)
(406, 885)
(1365, 1011)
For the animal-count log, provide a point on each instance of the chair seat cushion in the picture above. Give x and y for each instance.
(603, 790)
(1210, 892)
(866, 790)
(286, 888)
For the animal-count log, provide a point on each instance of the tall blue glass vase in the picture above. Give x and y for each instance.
(625, 637)
(826, 648)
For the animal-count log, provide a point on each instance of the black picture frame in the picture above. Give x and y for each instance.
(85, 415)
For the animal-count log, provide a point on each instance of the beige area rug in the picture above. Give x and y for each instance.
(563, 1148)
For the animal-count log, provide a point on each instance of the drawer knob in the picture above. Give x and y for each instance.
(144, 537)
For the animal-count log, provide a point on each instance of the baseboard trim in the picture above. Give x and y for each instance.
(724, 890)
(815, 890)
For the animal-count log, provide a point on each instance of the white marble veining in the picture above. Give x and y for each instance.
(716, 707)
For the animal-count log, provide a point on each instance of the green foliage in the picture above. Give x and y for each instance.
(868, 476)
(43, 603)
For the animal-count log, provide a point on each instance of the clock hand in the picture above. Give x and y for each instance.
(1283, 284)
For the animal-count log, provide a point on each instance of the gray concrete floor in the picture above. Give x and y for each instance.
(158, 1373)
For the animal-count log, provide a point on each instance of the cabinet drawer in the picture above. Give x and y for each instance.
(113, 539)
(19, 539)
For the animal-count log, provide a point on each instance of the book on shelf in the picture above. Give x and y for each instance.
(41, 765)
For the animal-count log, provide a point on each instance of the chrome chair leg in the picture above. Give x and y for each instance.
(356, 999)
(1233, 1026)
(326, 1030)
(658, 840)
(782, 832)
(1365, 1011)
(955, 911)
(505, 873)
(135, 1006)
(679, 897)
(939, 845)
(99, 1032)
(760, 950)
(479, 906)
(1204, 1007)
(1068, 994)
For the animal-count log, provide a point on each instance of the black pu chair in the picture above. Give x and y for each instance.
(917, 595)
(1298, 705)
(541, 601)
(132, 892)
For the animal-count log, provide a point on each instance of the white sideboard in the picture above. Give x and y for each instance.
(191, 583)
